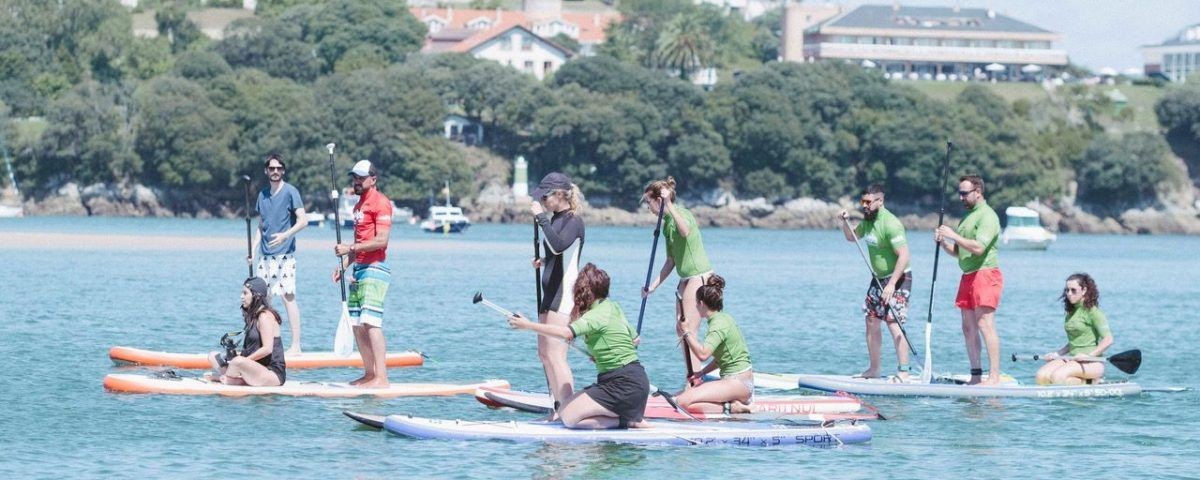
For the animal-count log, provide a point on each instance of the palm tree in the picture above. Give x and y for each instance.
(684, 46)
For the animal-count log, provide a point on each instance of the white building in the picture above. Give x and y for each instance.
(747, 9)
(925, 41)
(1175, 58)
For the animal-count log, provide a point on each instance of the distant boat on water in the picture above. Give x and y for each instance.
(1024, 230)
(348, 200)
(445, 219)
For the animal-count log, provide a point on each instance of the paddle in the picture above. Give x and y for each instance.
(249, 249)
(1128, 361)
(687, 351)
(878, 285)
(478, 299)
(537, 272)
(662, 203)
(343, 341)
(927, 369)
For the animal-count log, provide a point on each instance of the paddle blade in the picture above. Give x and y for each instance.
(478, 297)
(1128, 362)
(343, 341)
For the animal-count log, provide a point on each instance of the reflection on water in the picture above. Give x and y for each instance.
(558, 461)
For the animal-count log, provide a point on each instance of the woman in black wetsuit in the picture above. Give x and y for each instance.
(260, 364)
(555, 208)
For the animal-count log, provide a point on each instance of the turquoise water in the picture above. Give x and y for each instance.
(796, 295)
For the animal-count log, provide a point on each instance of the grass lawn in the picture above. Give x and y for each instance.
(1009, 91)
(1141, 100)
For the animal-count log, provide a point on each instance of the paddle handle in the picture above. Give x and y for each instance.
(1075, 358)
(249, 248)
(662, 203)
(337, 218)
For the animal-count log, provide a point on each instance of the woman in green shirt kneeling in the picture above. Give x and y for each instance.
(618, 398)
(1087, 336)
(726, 346)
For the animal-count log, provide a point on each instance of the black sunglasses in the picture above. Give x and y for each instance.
(274, 169)
(963, 193)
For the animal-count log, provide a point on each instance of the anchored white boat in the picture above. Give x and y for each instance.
(1025, 231)
(446, 219)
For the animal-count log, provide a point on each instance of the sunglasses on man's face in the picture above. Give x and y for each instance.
(963, 193)
(274, 169)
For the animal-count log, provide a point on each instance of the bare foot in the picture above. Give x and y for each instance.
(292, 352)
(375, 383)
(991, 380)
(902, 377)
(974, 380)
(869, 373)
(360, 380)
(641, 424)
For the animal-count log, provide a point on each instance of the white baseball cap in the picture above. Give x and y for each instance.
(363, 169)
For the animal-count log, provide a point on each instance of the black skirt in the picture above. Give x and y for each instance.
(623, 391)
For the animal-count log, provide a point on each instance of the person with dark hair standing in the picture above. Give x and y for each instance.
(725, 344)
(618, 398)
(261, 362)
(975, 243)
(887, 294)
(371, 276)
(685, 253)
(280, 218)
(1087, 336)
(555, 206)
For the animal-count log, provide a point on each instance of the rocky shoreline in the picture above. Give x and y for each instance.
(495, 205)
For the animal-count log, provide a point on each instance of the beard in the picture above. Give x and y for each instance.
(358, 190)
(870, 214)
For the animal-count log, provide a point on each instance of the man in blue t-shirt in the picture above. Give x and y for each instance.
(281, 216)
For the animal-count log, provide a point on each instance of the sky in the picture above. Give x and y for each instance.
(1096, 33)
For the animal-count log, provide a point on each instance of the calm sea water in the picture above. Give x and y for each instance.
(796, 295)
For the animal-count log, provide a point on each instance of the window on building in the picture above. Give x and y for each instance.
(1006, 44)
(925, 42)
(526, 43)
(903, 41)
(529, 65)
(863, 40)
(547, 67)
(506, 43)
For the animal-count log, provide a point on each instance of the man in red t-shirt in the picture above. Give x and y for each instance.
(369, 285)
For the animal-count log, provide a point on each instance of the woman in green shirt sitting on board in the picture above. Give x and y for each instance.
(618, 398)
(725, 345)
(1087, 336)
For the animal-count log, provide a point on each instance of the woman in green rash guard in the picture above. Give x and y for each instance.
(685, 253)
(1087, 335)
(725, 345)
(618, 398)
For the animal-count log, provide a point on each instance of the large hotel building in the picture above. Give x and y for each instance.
(921, 41)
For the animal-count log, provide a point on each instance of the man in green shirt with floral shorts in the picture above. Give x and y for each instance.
(975, 243)
(891, 282)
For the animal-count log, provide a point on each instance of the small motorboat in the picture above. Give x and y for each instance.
(1024, 230)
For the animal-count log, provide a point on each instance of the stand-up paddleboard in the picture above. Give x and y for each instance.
(130, 383)
(739, 434)
(373, 421)
(954, 387)
(764, 406)
(199, 361)
(769, 381)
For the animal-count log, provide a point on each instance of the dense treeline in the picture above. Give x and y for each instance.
(184, 113)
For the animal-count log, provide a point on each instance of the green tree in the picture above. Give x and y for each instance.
(684, 46)
(183, 139)
(1124, 172)
(87, 139)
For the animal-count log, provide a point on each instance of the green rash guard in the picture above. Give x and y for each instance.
(982, 225)
(608, 336)
(1085, 328)
(724, 339)
(883, 236)
(687, 252)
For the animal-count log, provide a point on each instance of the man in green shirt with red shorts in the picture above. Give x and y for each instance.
(975, 242)
(887, 295)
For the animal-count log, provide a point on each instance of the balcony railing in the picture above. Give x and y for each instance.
(924, 53)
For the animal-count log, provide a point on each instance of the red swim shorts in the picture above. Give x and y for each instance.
(980, 288)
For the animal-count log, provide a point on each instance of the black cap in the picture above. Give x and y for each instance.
(256, 285)
(552, 181)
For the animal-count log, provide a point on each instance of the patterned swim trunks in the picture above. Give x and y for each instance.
(367, 294)
(280, 273)
(873, 304)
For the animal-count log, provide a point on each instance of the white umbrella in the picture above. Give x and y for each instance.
(1031, 68)
(868, 64)
(994, 67)
(1108, 72)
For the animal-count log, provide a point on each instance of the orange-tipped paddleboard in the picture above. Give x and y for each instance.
(199, 361)
(131, 383)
